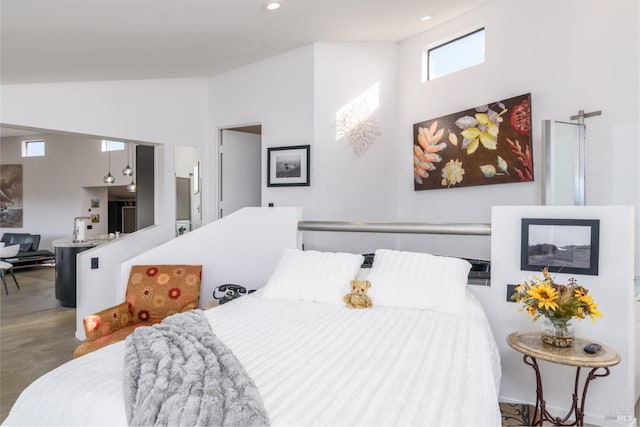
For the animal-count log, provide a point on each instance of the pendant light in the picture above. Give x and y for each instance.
(108, 178)
(128, 170)
(131, 188)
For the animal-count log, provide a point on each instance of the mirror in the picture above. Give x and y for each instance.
(188, 191)
(563, 148)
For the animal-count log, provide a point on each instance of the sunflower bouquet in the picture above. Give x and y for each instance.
(542, 297)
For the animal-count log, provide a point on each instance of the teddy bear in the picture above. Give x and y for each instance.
(358, 297)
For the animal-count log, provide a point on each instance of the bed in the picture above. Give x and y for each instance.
(408, 360)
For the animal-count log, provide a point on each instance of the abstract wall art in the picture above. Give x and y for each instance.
(11, 196)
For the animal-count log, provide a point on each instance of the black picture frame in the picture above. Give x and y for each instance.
(560, 245)
(289, 166)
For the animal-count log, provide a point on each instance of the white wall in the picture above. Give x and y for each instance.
(54, 185)
(165, 112)
(277, 93)
(186, 158)
(568, 56)
(295, 96)
(242, 248)
(560, 53)
(346, 187)
(612, 290)
(85, 209)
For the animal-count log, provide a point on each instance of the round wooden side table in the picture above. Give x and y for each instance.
(531, 346)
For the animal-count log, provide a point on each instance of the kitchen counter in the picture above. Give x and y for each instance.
(88, 243)
(66, 251)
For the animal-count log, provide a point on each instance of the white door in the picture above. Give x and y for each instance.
(240, 171)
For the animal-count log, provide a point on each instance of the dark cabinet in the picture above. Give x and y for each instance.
(66, 274)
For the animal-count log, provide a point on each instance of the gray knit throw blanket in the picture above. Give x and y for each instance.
(179, 373)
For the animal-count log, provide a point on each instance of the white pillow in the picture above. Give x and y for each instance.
(313, 276)
(418, 280)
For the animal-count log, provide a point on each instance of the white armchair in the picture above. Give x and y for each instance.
(7, 252)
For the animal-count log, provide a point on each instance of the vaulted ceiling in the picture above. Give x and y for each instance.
(84, 40)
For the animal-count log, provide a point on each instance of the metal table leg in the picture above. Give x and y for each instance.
(577, 407)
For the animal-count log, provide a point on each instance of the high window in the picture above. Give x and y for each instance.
(112, 145)
(454, 55)
(33, 148)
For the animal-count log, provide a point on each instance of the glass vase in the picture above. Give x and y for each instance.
(558, 332)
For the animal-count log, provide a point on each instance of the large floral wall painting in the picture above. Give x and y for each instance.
(490, 144)
(11, 196)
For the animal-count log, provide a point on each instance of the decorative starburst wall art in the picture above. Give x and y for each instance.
(357, 124)
(490, 144)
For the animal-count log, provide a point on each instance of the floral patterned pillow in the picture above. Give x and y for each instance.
(105, 322)
(158, 291)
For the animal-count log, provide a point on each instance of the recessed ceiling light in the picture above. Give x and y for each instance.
(425, 18)
(273, 5)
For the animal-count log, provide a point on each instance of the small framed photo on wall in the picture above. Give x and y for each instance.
(288, 166)
(560, 245)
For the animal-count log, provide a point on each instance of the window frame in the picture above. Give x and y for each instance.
(26, 151)
(108, 145)
(426, 52)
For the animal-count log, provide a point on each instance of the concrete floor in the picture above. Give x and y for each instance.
(36, 333)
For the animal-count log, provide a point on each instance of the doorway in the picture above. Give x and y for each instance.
(122, 210)
(240, 161)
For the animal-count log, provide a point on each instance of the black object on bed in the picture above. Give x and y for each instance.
(229, 291)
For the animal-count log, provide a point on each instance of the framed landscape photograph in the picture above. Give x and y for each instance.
(561, 245)
(288, 166)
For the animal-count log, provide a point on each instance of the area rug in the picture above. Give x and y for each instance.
(516, 414)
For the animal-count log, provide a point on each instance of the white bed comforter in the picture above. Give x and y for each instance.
(314, 364)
